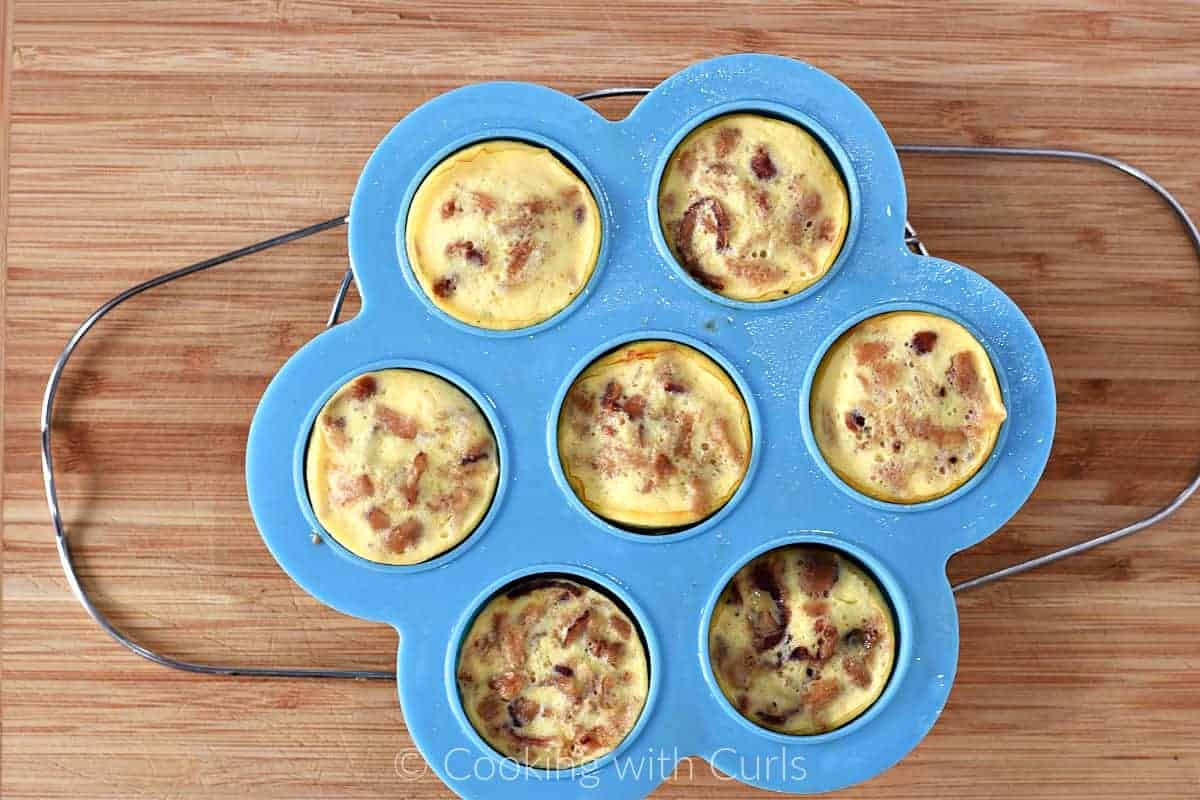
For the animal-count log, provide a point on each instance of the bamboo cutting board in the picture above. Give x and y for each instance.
(142, 136)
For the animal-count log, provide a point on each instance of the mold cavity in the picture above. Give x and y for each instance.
(914, 403)
(654, 436)
(401, 466)
(492, 253)
(744, 184)
(802, 640)
(553, 671)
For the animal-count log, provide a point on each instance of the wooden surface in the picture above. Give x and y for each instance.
(142, 136)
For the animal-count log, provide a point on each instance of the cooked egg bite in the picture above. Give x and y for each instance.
(401, 466)
(752, 207)
(802, 641)
(906, 406)
(502, 235)
(654, 435)
(553, 673)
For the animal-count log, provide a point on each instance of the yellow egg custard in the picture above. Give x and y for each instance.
(802, 641)
(752, 207)
(553, 673)
(401, 466)
(906, 406)
(654, 435)
(502, 235)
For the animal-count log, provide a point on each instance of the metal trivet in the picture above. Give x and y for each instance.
(911, 239)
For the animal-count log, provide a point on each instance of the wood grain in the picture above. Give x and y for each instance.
(142, 136)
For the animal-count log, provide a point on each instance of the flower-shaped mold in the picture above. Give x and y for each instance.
(670, 583)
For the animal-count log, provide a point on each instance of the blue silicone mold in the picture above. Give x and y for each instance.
(669, 582)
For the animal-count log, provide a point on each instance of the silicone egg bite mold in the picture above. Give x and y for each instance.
(669, 582)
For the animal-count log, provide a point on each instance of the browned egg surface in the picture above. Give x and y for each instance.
(906, 406)
(753, 207)
(802, 640)
(553, 673)
(401, 466)
(654, 435)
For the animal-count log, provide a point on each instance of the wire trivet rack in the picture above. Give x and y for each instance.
(911, 238)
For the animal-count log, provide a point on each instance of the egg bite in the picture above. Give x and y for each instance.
(502, 235)
(401, 466)
(654, 435)
(906, 406)
(553, 673)
(753, 207)
(802, 641)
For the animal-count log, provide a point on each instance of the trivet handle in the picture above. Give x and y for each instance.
(63, 543)
(1193, 234)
